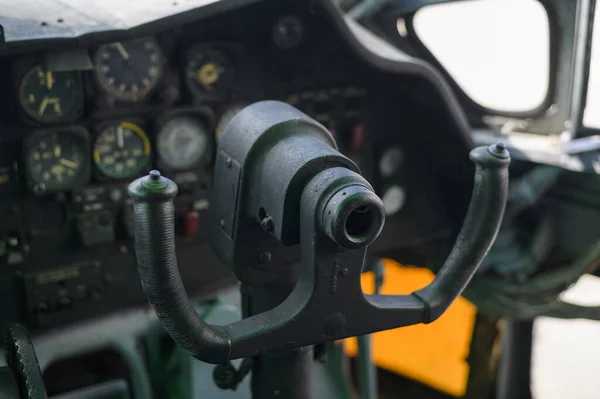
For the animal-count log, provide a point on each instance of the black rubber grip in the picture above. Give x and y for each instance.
(22, 360)
(477, 234)
(157, 264)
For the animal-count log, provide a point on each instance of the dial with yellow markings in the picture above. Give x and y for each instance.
(55, 161)
(48, 96)
(121, 150)
(209, 73)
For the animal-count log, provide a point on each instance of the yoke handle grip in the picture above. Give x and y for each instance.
(155, 249)
(154, 229)
(477, 234)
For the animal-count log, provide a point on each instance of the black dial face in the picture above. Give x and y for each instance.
(122, 150)
(55, 161)
(209, 73)
(288, 32)
(49, 96)
(128, 71)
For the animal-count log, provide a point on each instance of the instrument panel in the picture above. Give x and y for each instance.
(77, 129)
(125, 111)
(123, 79)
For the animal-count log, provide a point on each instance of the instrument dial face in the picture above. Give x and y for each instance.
(390, 161)
(122, 150)
(209, 73)
(183, 142)
(49, 96)
(56, 161)
(129, 70)
(288, 32)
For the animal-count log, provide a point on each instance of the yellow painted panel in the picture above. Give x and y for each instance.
(434, 354)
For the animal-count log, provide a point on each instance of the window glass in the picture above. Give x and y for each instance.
(565, 360)
(591, 114)
(498, 51)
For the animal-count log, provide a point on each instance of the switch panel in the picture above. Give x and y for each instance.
(60, 294)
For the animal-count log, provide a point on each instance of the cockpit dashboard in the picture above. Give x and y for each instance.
(85, 113)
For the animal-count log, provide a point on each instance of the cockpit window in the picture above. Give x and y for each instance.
(497, 51)
(591, 116)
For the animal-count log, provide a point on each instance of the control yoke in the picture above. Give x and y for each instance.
(21, 378)
(280, 181)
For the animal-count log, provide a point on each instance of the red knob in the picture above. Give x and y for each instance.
(190, 224)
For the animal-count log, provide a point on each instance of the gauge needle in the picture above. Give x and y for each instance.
(120, 142)
(43, 106)
(49, 80)
(56, 103)
(209, 74)
(189, 152)
(57, 149)
(207, 86)
(122, 51)
(67, 163)
(184, 140)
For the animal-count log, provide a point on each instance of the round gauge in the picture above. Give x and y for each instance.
(128, 71)
(393, 200)
(390, 161)
(288, 32)
(226, 117)
(48, 96)
(209, 73)
(183, 142)
(122, 150)
(55, 162)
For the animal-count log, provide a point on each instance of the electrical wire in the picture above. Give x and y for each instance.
(537, 291)
(538, 296)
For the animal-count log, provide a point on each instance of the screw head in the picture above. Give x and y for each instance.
(264, 257)
(267, 224)
(39, 188)
(115, 195)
